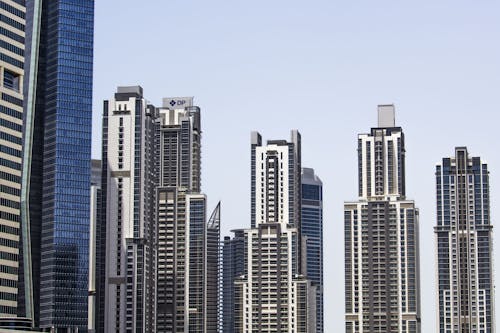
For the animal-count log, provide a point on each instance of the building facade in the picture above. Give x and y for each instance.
(188, 244)
(464, 245)
(213, 272)
(161, 252)
(312, 232)
(95, 220)
(179, 139)
(55, 195)
(233, 266)
(273, 295)
(382, 288)
(12, 36)
(129, 186)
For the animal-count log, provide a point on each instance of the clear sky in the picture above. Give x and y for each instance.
(320, 67)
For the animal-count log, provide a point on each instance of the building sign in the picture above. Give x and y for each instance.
(177, 102)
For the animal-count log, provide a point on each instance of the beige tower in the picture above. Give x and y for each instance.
(11, 115)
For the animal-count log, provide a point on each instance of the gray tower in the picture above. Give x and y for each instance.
(213, 255)
(382, 291)
(464, 245)
(233, 263)
(188, 244)
(312, 233)
(95, 220)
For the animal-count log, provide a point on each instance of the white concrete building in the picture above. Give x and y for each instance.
(382, 288)
(464, 236)
(129, 185)
(273, 295)
(159, 245)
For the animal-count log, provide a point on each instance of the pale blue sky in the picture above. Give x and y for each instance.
(321, 67)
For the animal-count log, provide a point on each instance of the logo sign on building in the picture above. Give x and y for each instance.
(177, 102)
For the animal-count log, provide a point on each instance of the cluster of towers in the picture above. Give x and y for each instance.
(269, 277)
(159, 262)
(157, 256)
(382, 273)
(128, 244)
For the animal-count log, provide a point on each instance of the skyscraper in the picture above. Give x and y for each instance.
(233, 266)
(188, 246)
(162, 255)
(128, 186)
(95, 219)
(55, 196)
(382, 289)
(273, 295)
(312, 232)
(464, 245)
(213, 257)
(12, 15)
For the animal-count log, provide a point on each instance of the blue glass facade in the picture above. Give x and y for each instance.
(233, 266)
(57, 162)
(197, 241)
(312, 230)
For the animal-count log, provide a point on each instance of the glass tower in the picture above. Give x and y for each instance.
(464, 245)
(213, 256)
(55, 196)
(312, 231)
(233, 266)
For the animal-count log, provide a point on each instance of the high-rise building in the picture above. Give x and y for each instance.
(382, 289)
(464, 245)
(95, 220)
(128, 186)
(212, 273)
(312, 232)
(55, 195)
(273, 295)
(179, 140)
(162, 255)
(233, 266)
(188, 246)
(12, 14)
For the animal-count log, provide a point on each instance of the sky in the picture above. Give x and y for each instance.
(321, 67)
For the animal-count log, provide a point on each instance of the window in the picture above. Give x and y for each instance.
(11, 80)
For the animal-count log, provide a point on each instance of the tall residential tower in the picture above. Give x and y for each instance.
(273, 294)
(128, 186)
(161, 252)
(95, 220)
(382, 291)
(464, 245)
(188, 244)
